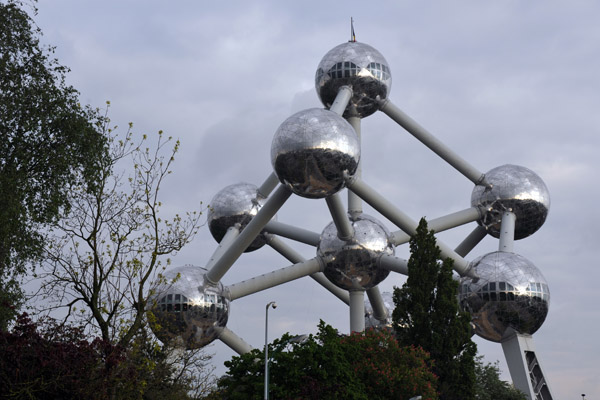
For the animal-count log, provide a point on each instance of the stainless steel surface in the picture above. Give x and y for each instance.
(511, 293)
(372, 322)
(235, 204)
(360, 67)
(516, 189)
(189, 311)
(312, 149)
(353, 264)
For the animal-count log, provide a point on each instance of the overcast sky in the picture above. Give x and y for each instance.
(499, 82)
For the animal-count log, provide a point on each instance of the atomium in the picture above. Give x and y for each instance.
(315, 154)
(352, 264)
(312, 150)
(516, 189)
(187, 310)
(511, 294)
(235, 204)
(360, 67)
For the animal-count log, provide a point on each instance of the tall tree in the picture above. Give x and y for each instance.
(427, 315)
(48, 143)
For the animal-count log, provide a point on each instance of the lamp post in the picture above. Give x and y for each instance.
(274, 305)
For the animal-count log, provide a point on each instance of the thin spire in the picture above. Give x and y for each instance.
(352, 35)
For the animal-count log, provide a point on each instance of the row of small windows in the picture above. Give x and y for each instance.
(380, 71)
(347, 69)
(504, 291)
(208, 303)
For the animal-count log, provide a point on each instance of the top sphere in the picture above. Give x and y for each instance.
(188, 309)
(516, 189)
(360, 67)
(312, 149)
(235, 204)
(511, 293)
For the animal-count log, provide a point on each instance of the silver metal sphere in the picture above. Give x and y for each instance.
(371, 321)
(360, 67)
(235, 204)
(352, 264)
(516, 189)
(510, 294)
(311, 151)
(189, 311)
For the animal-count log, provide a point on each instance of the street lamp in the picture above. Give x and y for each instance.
(274, 305)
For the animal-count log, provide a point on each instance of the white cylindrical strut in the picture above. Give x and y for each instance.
(355, 202)
(439, 148)
(507, 232)
(233, 341)
(380, 312)
(357, 311)
(402, 221)
(341, 100)
(340, 218)
(393, 263)
(268, 185)
(441, 224)
(248, 234)
(471, 241)
(293, 256)
(230, 235)
(274, 278)
(292, 232)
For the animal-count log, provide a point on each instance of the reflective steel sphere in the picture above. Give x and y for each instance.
(352, 264)
(359, 66)
(190, 310)
(514, 188)
(371, 321)
(312, 149)
(511, 293)
(235, 204)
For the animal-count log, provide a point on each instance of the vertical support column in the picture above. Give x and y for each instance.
(355, 202)
(524, 367)
(357, 311)
(507, 232)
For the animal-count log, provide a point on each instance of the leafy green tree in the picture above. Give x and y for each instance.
(48, 144)
(489, 386)
(427, 315)
(328, 365)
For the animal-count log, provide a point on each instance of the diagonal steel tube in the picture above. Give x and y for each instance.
(248, 234)
(401, 220)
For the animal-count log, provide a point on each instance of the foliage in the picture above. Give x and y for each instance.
(427, 315)
(101, 260)
(48, 143)
(328, 365)
(489, 386)
(52, 361)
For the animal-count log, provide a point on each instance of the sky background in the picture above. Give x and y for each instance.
(499, 82)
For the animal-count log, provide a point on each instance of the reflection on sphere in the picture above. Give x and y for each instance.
(516, 189)
(372, 322)
(189, 311)
(235, 204)
(312, 149)
(360, 67)
(510, 294)
(352, 264)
